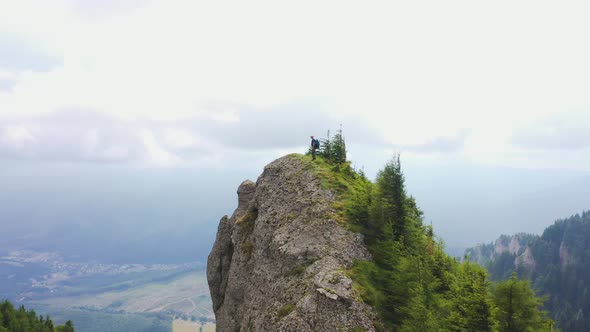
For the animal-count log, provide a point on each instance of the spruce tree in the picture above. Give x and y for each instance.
(326, 149)
(339, 147)
(69, 327)
(333, 149)
(471, 306)
(519, 307)
(389, 209)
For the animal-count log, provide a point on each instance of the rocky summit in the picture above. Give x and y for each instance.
(280, 262)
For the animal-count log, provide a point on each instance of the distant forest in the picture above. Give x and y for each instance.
(23, 320)
(561, 269)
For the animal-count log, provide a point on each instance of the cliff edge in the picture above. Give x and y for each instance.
(279, 262)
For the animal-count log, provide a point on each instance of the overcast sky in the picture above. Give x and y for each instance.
(488, 102)
(232, 85)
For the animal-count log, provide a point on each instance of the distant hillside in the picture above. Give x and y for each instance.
(557, 263)
(502, 251)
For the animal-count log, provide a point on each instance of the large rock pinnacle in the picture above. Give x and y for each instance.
(279, 263)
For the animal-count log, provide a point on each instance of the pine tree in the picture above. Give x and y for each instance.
(339, 148)
(471, 307)
(389, 203)
(422, 310)
(518, 307)
(326, 149)
(8, 314)
(49, 324)
(69, 327)
(333, 149)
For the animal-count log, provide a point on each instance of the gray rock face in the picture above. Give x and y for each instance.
(279, 262)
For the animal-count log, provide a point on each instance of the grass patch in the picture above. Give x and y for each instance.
(249, 217)
(351, 189)
(286, 309)
(330, 290)
(247, 248)
(246, 222)
(299, 269)
(246, 226)
(296, 271)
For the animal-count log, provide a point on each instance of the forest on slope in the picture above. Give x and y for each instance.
(411, 282)
(556, 263)
(21, 319)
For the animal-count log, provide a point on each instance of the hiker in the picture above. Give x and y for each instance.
(315, 144)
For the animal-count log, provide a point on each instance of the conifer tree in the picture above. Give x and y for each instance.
(389, 209)
(339, 147)
(518, 307)
(333, 149)
(471, 306)
(68, 327)
(49, 323)
(326, 148)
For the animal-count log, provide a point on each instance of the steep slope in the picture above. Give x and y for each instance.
(557, 265)
(279, 262)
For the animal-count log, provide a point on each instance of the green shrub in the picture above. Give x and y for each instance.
(286, 309)
(246, 222)
(247, 248)
(299, 269)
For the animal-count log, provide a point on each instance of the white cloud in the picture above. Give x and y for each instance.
(154, 154)
(76, 136)
(413, 72)
(91, 136)
(181, 139)
(16, 137)
(226, 117)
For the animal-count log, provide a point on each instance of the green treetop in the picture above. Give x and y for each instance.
(518, 307)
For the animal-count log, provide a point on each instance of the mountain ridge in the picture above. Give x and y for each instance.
(554, 262)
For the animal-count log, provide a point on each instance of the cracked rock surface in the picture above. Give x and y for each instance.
(279, 262)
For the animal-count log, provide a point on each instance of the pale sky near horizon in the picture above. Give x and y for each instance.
(488, 102)
(172, 83)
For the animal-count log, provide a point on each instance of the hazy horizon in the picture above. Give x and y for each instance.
(140, 212)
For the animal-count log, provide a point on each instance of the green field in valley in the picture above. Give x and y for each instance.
(188, 326)
(179, 303)
(186, 295)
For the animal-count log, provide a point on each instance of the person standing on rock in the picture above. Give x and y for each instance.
(315, 144)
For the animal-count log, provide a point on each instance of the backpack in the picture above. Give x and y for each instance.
(316, 143)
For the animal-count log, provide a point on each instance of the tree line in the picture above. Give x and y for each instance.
(23, 320)
(332, 148)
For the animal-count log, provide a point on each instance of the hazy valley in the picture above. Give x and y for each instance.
(119, 296)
